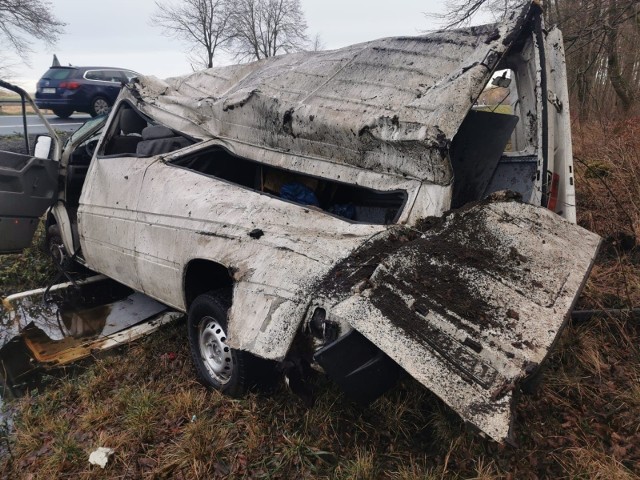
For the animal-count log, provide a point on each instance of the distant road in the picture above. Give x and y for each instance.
(12, 124)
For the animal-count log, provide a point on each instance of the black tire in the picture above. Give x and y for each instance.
(62, 112)
(55, 246)
(218, 366)
(99, 106)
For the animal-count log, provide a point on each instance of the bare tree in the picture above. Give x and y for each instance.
(317, 44)
(21, 20)
(200, 23)
(603, 62)
(264, 28)
(462, 12)
(620, 81)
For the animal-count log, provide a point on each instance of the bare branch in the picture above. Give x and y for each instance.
(461, 12)
(21, 20)
(317, 43)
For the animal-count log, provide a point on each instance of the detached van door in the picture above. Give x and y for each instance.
(28, 183)
(471, 307)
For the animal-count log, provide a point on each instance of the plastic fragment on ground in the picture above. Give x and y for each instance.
(101, 456)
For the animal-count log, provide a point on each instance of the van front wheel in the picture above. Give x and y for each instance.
(218, 366)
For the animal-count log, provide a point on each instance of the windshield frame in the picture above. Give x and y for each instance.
(85, 130)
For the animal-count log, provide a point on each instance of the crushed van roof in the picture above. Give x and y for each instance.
(391, 105)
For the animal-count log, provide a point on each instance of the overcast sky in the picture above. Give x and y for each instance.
(118, 33)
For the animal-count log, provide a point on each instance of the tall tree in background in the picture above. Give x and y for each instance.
(202, 24)
(317, 44)
(264, 28)
(601, 38)
(23, 20)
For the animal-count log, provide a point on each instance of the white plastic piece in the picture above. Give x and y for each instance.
(101, 456)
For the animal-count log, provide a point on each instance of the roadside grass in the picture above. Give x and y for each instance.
(31, 269)
(11, 109)
(142, 400)
(15, 110)
(608, 193)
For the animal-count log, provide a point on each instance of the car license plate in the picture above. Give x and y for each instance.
(48, 90)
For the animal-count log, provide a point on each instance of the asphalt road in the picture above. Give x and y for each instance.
(12, 124)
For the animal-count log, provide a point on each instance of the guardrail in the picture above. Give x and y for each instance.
(13, 103)
(9, 102)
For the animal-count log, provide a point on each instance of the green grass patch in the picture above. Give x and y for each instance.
(28, 270)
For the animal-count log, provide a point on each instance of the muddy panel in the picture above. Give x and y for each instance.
(68, 323)
(473, 305)
(476, 151)
(515, 173)
(389, 106)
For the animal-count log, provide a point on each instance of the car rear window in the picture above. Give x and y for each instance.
(114, 76)
(105, 75)
(59, 73)
(94, 75)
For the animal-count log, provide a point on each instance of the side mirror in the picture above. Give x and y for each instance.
(43, 147)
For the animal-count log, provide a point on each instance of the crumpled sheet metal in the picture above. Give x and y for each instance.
(391, 105)
(474, 304)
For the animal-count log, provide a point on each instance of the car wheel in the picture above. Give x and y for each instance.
(218, 366)
(62, 112)
(55, 246)
(99, 106)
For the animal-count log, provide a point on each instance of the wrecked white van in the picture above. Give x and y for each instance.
(340, 208)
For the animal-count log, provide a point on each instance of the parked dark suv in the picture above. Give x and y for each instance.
(84, 89)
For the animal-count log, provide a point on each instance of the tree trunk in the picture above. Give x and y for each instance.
(614, 70)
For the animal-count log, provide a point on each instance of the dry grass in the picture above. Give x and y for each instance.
(29, 270)
(17, 110)
(584, 422)
(608, 183)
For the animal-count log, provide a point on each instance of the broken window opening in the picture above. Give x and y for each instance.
(348, 202)
(495, 148)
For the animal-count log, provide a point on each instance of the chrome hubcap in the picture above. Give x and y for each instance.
(216, 354)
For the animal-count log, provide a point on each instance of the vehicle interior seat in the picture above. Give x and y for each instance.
(158, 139)
(131, 125)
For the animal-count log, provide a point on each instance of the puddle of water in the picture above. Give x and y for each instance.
(65, 312)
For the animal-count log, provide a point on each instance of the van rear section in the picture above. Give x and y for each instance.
(471, 303)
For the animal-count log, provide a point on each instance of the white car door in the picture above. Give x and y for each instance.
(107, 216)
